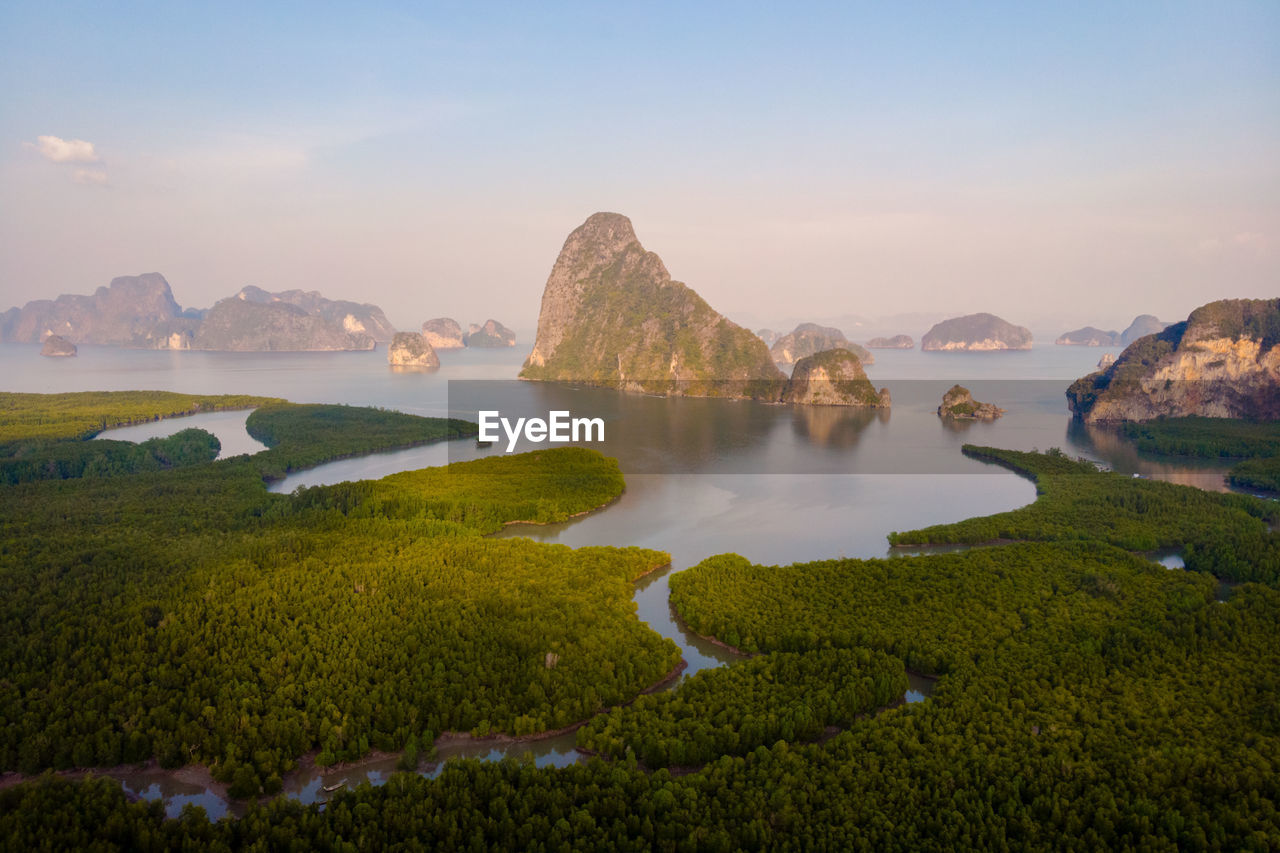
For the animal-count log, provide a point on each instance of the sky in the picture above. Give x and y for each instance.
(1059, 164)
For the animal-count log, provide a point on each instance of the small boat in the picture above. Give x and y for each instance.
(329, 789)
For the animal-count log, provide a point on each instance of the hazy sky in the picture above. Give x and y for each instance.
(1048, 162)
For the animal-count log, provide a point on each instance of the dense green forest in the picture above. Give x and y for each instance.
(301, 436)
(734, 710)
(1088, 698)
(63, 459)
(1255, 442)
(1227, 535)
(83, 414)
(1119, 707)
(190, 615)
(1206, 437)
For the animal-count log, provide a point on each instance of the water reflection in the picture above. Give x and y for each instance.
(835, 427)
(229, 427)
(1108, 444)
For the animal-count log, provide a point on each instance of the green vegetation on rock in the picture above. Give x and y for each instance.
(1220, 362)
(612, 316)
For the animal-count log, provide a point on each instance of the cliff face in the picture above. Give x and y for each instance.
(352, 317)
(612, 316)
(833, 378)
(896, 342)
(1088, 337)
(1223, 361)
(443, 333)
(958, 403)
(410, 349)
(491, 334)
(976, 333)
(133, 311)
(810, 339)
(239, 324)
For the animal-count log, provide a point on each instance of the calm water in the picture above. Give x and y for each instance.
(775, 484)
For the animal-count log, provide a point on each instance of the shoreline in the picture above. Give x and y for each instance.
(613, 500)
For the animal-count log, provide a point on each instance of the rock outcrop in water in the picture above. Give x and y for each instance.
(443, 333)
(133, 311)
(354, 318)
(833, 378)
(410, 349)
(139, 311)
(896, 342)
(1088, 337)
(810, 339)
(239, 324)
(976, 333)
(612, 316)
(958, 403)
(1222, 362)
(56, 346)
(1142, 325)
(491, 334)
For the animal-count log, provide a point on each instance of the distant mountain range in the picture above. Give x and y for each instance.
(1142, 325)
(140, 312)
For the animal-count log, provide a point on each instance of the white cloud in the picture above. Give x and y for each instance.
(58, 150)
(90, 176)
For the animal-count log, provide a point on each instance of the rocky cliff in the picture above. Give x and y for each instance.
(56, 346)
(491, 334)
(612, 316)
(132, 311)
(833, 378)
(810, 339)
(896, 342)
(140, 311)
(240, 324)
(1088, 337)
(1223, 361)
(410, 349)
(958, 403)
(443, 333)
(976, 333)
(354, 318)
(769, 336)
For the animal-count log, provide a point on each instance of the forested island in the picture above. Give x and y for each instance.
(1087, 697)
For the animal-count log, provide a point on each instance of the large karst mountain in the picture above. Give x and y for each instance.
(140, 311)
(612, 316)
(133, 311)
(1223, 361)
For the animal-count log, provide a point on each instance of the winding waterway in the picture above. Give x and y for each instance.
(774, 484)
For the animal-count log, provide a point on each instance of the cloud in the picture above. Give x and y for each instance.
(96, 177)
(58, 150)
